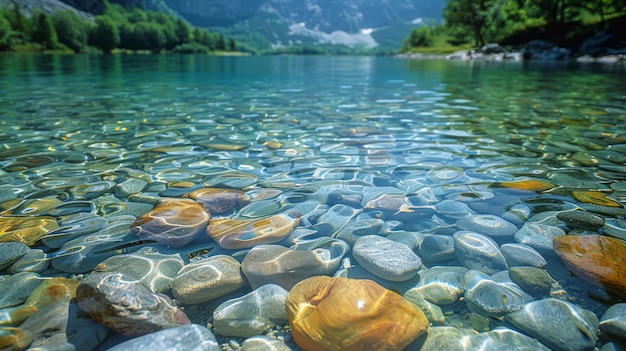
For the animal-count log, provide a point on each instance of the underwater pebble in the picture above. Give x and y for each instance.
(577, 327)
(373, 253)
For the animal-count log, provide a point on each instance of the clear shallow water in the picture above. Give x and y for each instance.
(427, 130)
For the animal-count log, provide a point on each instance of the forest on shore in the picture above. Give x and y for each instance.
(473, 23)
(118, 28)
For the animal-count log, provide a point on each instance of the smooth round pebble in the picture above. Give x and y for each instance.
(577, 327)
(522, 255)
(385, 258)
(190, 337)
(207, 279)
(11, 252)
(478, 251)
(613, 321)
(490, 225)
(252, 314)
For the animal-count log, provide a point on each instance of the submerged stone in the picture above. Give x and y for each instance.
(153, 269)
(11, 252)
(220, 201)
(25, 229)
(613, 321)
(477, 251)
(599, 259)
(207, 279)
(490, 225)
(245, 233)
(581, 219)
(386, 258)
(274, 264)
(173, 222)
(47, 292)
(252, 314)
(190, 337)
(127, 307)
(577, 328)
(351, 314)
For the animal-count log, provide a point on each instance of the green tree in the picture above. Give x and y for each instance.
(232, 45)
(19, 23)
(421, 37)
(149, 36)
(44, 33)
(182, 31)
(72, 30)
(469, 15)
(105, 34)
(6, 35)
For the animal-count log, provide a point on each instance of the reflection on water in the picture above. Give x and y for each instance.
(474, 166)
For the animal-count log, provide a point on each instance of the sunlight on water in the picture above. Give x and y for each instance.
(445, 182)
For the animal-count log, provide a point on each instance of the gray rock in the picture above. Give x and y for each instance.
(127, 307)
(129, 187)
(535, 281)
(151, 268)
(17, 288)
(207, 279)
(34, 261)
(386, 258)
(275, 264)
(442, 285)
(581, 219)
(490, 225)
(457, 339)
(263, 343)
(489, 298)
(538, 236)
(191, 337)
(437, 248)
(613, 321)
(11, 252)
(522, 255)
(252, 314)
(577, 328)
(48, 326)
(477, 251)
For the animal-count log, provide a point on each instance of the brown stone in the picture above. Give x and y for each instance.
(598, 259)
(173, 222)
(245, 233)
(351, 314)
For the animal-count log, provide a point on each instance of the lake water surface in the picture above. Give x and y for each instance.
(441, 156)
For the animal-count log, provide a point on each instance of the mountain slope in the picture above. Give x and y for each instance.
(277, 23)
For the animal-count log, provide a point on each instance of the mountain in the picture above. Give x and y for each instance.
(262, 24)
(366, 23)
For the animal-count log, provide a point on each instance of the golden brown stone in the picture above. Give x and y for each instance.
(25, 229)
(527, 184)
(220, 201)
(173, 222)
(14, 339)
(245, 233)
(595, 197)
(351, 314)
(598, 259)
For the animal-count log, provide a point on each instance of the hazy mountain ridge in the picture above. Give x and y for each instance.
(354, 23)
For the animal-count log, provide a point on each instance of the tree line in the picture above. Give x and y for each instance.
(117, 28)
(486, 21)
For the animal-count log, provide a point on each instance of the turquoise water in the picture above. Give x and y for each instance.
(429, 130)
